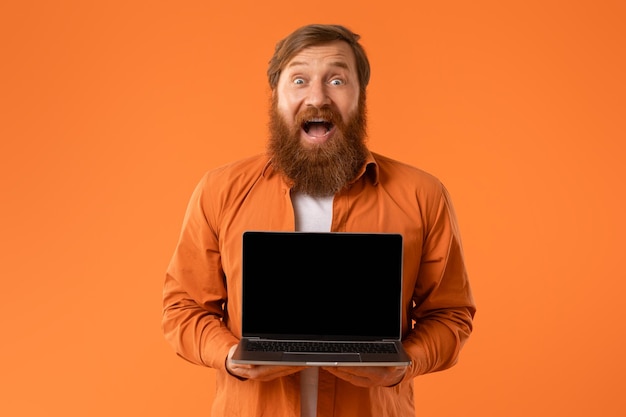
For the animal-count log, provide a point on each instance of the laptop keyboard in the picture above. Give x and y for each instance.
(321, 347)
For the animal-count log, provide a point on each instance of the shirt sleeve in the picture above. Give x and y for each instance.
(194, 294)
(443, 305)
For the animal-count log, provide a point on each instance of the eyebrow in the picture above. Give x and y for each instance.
(340, 64)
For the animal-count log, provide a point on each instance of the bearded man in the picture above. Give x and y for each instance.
(318, 175)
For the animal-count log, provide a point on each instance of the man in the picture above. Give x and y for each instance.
(318, 175)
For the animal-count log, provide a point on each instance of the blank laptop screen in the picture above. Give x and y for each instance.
(322, 285)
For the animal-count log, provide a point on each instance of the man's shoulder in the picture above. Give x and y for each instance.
(391, 169)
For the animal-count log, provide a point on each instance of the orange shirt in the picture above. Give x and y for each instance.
(202, 291)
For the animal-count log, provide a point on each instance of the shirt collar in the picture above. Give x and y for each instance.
(369, 169)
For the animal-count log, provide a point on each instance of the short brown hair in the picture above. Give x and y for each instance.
(312, 35)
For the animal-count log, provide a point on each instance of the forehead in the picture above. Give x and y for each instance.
(332, 54)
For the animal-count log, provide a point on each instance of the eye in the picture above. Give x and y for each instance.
(336, 81)
(298, 81)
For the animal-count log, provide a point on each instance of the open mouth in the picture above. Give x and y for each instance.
(317, 127)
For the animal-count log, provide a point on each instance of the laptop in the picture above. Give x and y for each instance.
(321, 299)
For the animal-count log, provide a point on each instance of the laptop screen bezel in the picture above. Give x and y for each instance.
(365, 252)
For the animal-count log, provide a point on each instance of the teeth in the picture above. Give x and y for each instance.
(308, 123)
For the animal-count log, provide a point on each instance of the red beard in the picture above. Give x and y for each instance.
(322, 169)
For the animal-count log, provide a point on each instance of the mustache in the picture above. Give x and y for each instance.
(325, 113)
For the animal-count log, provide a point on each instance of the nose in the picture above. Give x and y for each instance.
(317, 95)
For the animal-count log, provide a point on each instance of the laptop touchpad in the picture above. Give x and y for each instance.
(321, 357)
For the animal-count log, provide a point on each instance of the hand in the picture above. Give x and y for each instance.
(369, 376)
(259, 372)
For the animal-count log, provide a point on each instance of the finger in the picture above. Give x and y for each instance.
(369, 376)
(271, 374)
(266, 373)
(359, 371)
(366, 371)
(354, 379)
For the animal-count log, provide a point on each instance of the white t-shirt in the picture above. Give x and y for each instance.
(313, 214)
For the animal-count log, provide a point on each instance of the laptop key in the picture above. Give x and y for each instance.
(321, 347)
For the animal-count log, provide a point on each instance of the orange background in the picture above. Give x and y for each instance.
(112, 110)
